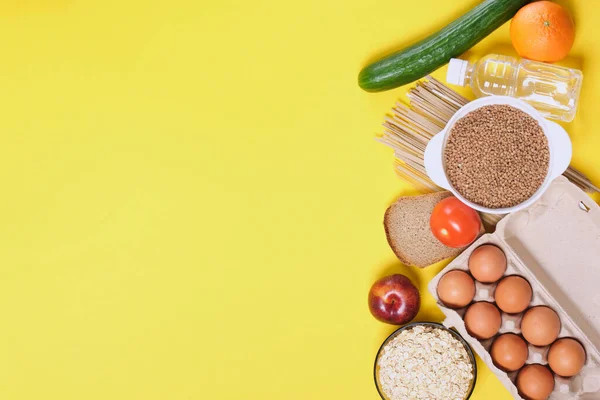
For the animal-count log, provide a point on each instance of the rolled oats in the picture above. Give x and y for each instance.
(427, 363)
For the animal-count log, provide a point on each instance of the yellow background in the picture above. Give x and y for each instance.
(192, 197)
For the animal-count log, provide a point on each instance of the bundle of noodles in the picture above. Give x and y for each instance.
(410, 127)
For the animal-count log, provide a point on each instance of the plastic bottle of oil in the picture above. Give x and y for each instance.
(552, 90)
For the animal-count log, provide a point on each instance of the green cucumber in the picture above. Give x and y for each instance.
(429, 54)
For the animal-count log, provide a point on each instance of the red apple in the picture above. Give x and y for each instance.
(394, 300)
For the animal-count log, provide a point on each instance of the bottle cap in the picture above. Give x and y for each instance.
(457, 72)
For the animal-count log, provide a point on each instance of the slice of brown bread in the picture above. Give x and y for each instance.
(408, 233)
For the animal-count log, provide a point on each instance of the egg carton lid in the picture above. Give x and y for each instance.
(558, 239)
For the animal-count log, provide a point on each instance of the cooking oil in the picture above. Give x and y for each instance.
(552, 90)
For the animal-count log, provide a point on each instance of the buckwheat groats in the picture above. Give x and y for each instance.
(496, 156)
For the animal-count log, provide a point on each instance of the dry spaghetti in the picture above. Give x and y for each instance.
(410, 127)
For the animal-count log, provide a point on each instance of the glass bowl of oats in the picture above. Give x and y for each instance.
(425, 360)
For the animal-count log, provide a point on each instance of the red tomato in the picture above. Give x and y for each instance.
(454, 223)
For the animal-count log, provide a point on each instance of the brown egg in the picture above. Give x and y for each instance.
(535, 382)
(540, 326)
(487, 263)
(513, 294)
(566, 357)
(483, 320)
(509, 352)
(456, 289)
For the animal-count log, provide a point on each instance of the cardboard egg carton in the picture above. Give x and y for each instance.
(555, 245)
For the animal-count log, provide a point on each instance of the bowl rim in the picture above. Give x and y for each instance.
(452, 331)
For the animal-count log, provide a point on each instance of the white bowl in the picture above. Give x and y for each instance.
(558, 141)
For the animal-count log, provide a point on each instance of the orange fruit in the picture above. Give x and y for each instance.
(542, 31)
